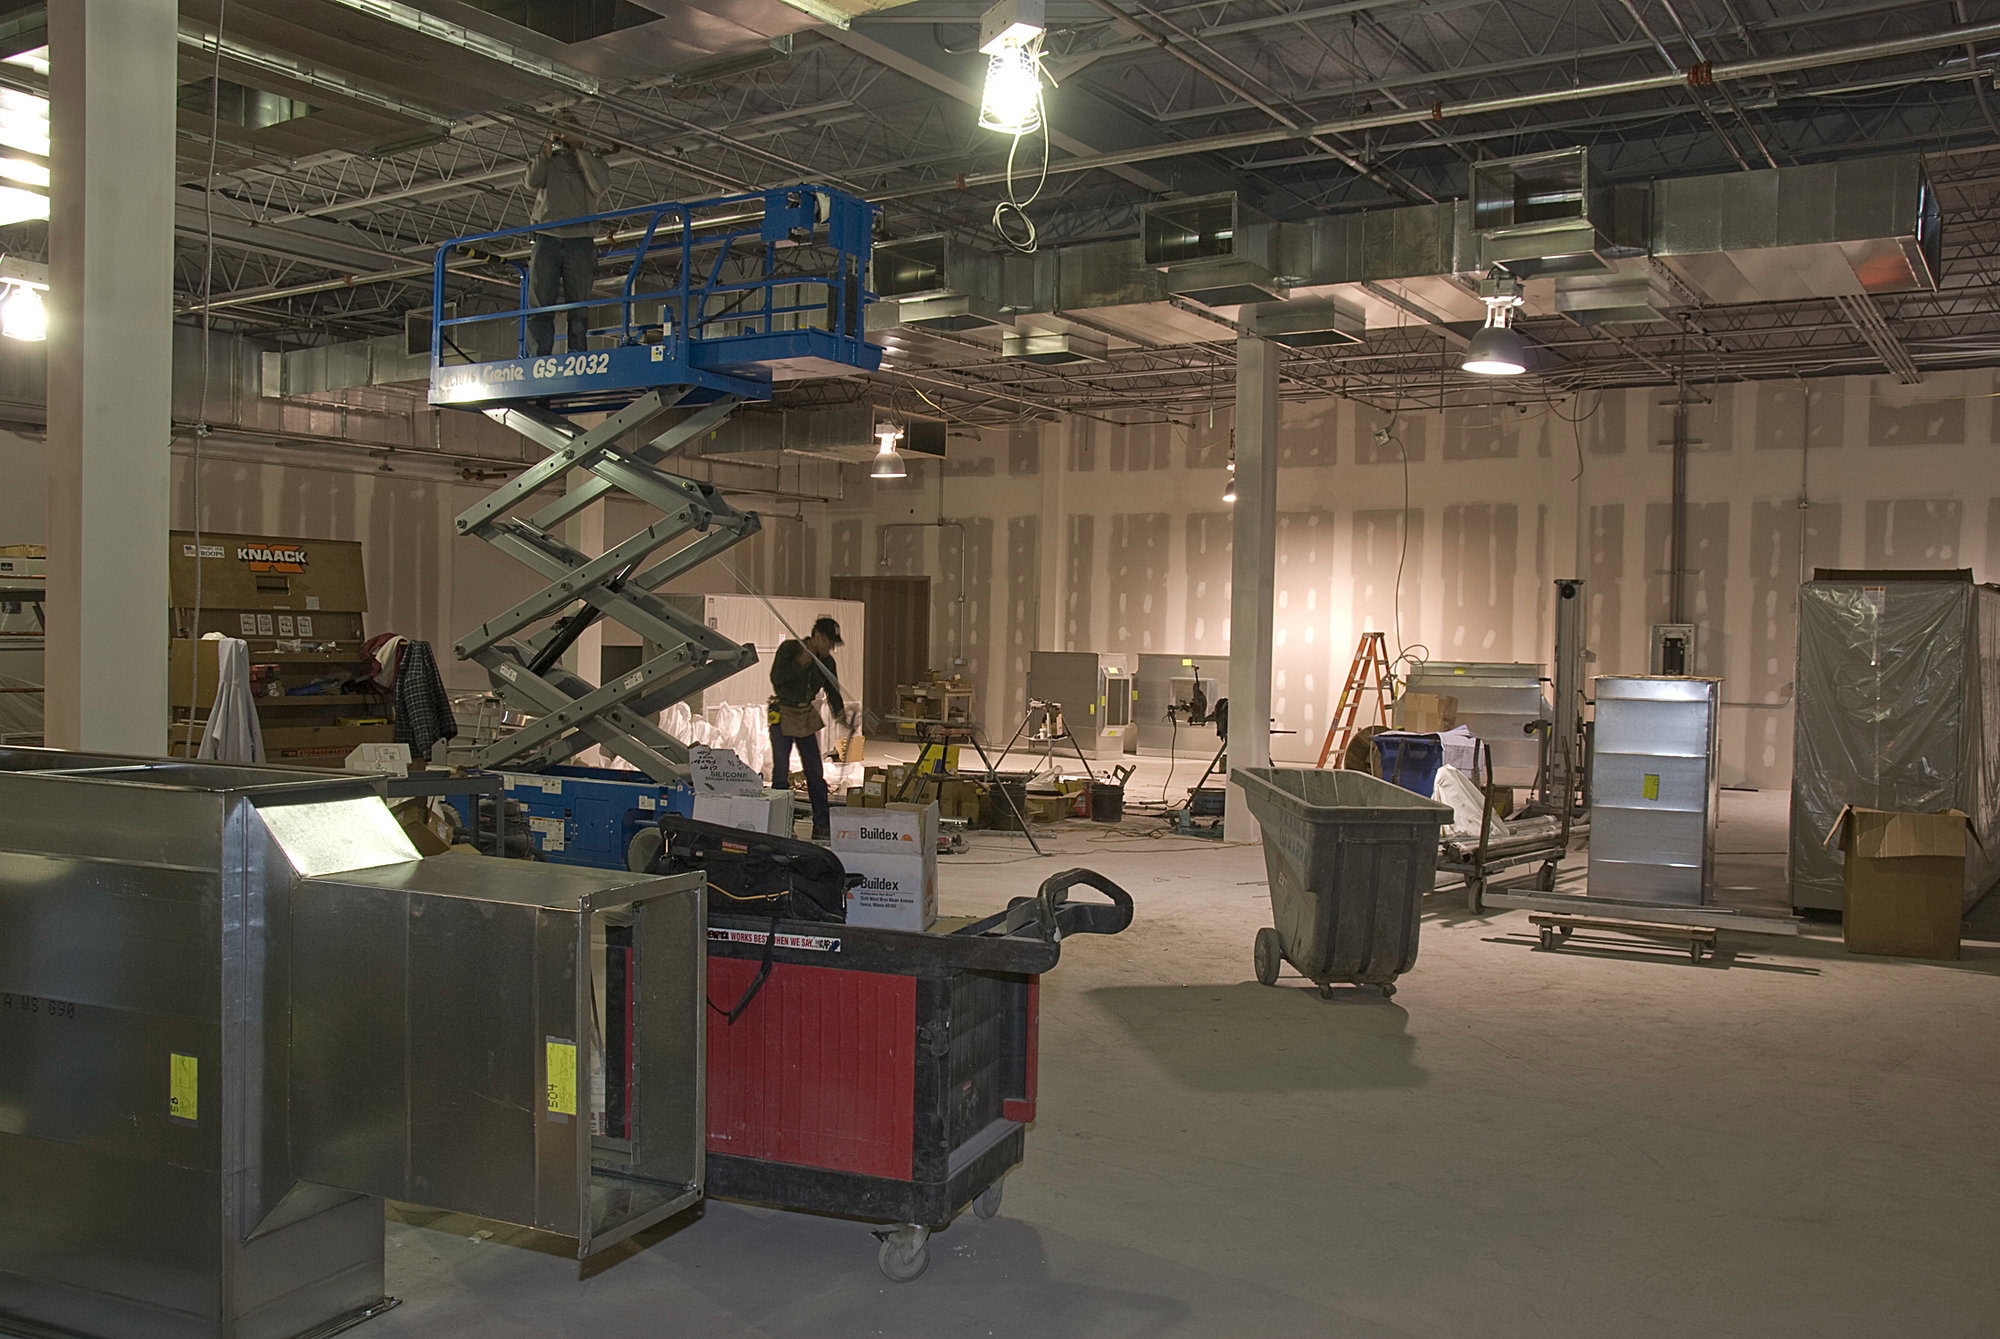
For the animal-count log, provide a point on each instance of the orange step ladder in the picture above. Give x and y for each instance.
(1369, 673)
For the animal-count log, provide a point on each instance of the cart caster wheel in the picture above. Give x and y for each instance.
(988, 1202)
(1325, 991)
(1547, 881)
(1562, 931)
(1548, 938)
(905, 1254)
(1475, 896)
(1388, 991)
(1265, 954)
(1694, 954)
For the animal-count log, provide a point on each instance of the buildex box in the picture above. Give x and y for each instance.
(1904, 881)
(770, 812)
(894, 850)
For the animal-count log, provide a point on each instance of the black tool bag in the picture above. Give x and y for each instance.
(754, 873)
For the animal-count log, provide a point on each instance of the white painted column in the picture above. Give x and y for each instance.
(1253, 566)
(111, 233)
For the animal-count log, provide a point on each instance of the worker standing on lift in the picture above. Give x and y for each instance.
(569, 181)
(800, 671)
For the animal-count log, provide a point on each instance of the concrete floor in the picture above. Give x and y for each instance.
(1599, 1141)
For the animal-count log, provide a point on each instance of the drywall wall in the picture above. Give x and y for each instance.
(1116, 538)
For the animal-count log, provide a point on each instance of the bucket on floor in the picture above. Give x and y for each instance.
(1107, 802)
(1000, 816)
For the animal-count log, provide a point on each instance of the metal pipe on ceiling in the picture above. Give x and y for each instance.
(1731, 71)
(203, 38)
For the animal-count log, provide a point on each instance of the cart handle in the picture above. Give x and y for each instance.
(1057, 916)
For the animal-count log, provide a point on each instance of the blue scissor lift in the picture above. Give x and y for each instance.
(717, 296)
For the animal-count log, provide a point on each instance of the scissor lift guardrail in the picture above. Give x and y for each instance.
(728, 316)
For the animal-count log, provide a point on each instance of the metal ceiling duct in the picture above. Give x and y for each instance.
(1391, 264)
(1047, 348)
(841, 432)
(1540, 215)
(1632, 294)
(1215, 250)
(1109, 287)
(1790, 234)
(941, 283)
(1306, 323)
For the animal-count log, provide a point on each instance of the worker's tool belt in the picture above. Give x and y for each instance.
(796, 722)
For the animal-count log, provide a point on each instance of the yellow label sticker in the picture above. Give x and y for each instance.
(562, 1077)
(183, 1082)
(1187, 662)
(1650, 787)
(1460, 670)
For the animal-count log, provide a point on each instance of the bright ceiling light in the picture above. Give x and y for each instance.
(1010, 36)
(1229, 489)
(22, 315)
(888, 460)
(1498, 350)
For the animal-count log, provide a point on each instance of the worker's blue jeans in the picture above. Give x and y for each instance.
(809, 763)
(559, 270)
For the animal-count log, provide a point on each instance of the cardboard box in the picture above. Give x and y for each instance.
(1905, 881)
(896, 829)
(427, 830)
(896, 892)
(770, 812)
(1426, 713)
(959, 797)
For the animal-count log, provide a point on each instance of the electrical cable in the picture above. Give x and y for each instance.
(1029, 239)
(201, 405)
(1173, 756)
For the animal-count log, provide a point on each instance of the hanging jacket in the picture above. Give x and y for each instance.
(423, 712)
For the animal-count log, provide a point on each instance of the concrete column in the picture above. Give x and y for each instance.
(1253, 563)
(110, 394)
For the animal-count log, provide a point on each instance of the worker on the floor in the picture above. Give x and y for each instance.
(569, 182)
(800, 672)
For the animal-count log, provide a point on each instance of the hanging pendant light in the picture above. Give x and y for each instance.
(1498, 350)
(888, 460)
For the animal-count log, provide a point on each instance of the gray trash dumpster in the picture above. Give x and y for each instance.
(1349, 858)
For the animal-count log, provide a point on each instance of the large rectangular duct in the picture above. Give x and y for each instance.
(1395, 265)
(1791, 234)
(235, 1008)
(1215, 250)
(940, 283)
(1110, 287)
(1541, 214)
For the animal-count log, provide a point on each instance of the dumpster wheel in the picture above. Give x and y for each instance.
(987, 1204)
(905, 1252)
(1266, 954)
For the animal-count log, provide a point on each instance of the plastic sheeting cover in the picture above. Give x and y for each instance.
(1897, 683)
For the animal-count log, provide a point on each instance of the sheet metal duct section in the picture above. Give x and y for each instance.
(1109, 287)
(941, 283)
(1306, 324)
(1791, 234)
(190, 952)
(1632, 293)
(1541, 215)
(842, 432)
(1395, 265)
(1215, 250)
(1048, 348)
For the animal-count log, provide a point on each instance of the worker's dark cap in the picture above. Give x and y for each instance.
(828, 629)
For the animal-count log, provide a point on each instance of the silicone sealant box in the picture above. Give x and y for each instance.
(770, 812)
(896, 892)
(897, 829)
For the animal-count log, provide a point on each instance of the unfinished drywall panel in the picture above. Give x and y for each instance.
(1406, 433)
(846, 559)
(1605, 589)
(1143, 446)
(1914, 532)
(1136, 567)
(1785, 540)
(1387, 562)
(1481, 564)
(899, 550)
(794, 550)
(1208, 441)
(1024, 449)
(1482, 432)
(1602, 421)
(1309, 434)
(1705, 577)
(1205, 566)
(961, 616)
(1079, 575)
(1303, 649)
(1024, 589)
(1926, 414)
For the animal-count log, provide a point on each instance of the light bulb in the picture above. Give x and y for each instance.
(888, 463)
(1498, 350)
(1012, 102)
(1229, 489)
(22, 315)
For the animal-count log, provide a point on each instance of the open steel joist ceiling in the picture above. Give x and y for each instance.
(419, 124)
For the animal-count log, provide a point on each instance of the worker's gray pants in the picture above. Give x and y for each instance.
(559, 271)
